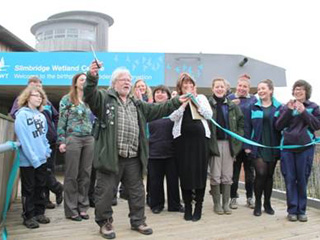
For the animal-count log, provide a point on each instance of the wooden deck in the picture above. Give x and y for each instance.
(167, 225)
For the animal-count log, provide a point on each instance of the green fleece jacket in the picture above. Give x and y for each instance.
(103, 103)
(235, 124)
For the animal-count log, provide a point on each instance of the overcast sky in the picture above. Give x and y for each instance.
(284, 33)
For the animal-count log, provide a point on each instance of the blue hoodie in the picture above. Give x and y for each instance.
(51, 115)
(31, 128)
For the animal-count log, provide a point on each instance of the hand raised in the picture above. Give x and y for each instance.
(94, 68)
(138, 94)
(290, 104)
(184, 98)
(299, 106)
(236, 101)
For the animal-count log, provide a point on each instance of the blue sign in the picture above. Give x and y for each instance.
(58, 68)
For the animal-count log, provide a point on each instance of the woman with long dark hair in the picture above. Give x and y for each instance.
(74, 138)
(261, 127)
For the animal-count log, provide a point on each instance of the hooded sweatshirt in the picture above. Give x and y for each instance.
(51, 115)
(31, 128)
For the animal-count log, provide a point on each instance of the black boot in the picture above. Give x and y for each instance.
(267, 207)
(187, 198)
(59, 195)
(49, 204)
(198, 208)
(259, 183)
(257, 208)
(267, 196)
(188, 212)
(197, 212)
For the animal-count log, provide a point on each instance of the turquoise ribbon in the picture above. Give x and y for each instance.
(248, 141)
(10, 185)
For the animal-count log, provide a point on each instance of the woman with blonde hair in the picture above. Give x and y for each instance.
(31, 128)
(191, 137)
(142, 91)
(223, 147)
(74, 138)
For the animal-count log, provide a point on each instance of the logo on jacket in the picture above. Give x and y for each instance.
(38, 123)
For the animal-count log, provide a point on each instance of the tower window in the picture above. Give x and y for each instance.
(72, 33)
(60, 33)
(48, 34)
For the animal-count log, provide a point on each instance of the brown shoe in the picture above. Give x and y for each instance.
(84, 215)
(143, 229)
(50, 205)
(31, 223)
(107, 231)
(42, 219)
(75, 218)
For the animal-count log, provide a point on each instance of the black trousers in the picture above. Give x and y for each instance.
(52, 184)
(242, 158)
(158, 169)
(33, 182)
(187, 196)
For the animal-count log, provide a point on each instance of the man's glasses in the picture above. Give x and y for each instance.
(36, 95)
(124, 80)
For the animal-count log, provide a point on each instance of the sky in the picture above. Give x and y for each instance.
(280, 32)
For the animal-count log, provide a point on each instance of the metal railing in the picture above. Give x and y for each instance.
(7, 157)
(314, 179)
(8, 183)
(313, 190)
(8, 146)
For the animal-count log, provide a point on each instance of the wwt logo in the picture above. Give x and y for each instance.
(3, 66)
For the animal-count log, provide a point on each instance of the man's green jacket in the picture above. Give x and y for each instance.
(104, 105)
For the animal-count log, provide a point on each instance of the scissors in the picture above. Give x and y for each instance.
(95, 56)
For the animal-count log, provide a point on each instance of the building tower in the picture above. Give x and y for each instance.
(73, 31)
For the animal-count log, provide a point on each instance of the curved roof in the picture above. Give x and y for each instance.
(79, 13)
(36, 26)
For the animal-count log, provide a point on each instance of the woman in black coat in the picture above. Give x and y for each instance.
(161, 160)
